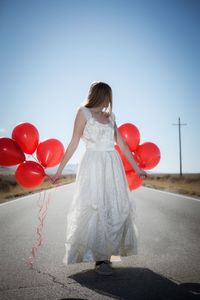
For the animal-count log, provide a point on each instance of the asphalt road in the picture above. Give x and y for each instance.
(166, 267)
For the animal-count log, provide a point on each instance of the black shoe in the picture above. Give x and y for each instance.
(98, 262)
(103, 268)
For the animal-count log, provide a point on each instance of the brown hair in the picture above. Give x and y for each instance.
(99, 93)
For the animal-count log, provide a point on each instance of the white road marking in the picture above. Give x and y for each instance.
(18, 199)
(171, 193)
(26, 196)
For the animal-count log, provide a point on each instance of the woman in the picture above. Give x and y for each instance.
(101, 221)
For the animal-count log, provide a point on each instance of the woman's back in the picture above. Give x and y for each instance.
(97, 135)
(101, 220)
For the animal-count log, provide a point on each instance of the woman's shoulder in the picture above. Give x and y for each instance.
(85, 111)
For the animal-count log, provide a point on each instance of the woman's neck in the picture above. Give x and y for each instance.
(97, 109)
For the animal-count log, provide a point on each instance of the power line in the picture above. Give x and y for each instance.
(179, 133)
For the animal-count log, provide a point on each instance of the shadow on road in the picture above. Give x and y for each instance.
(137, 284)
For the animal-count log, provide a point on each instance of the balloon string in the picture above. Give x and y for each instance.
(34, 157)
(38, 162)
(43, 207)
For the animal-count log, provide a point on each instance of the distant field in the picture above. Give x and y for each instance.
(10, 189)
(188, 184)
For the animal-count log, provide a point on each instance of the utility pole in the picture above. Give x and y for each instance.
(179, 133)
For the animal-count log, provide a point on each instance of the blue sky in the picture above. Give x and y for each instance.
(147, 51)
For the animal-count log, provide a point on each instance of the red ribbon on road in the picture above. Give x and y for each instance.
(43, 204)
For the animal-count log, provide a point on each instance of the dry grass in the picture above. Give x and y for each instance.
(188, 184)
(10, 189)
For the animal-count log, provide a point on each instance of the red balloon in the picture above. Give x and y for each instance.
(134, 181)
(148, 155)
(50, 152)
(126, 163)
(29, 174)
(10, 152)
(27, 137)
(130, 134)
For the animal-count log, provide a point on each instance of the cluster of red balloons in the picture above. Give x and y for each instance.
(146, 155)
(25, 139)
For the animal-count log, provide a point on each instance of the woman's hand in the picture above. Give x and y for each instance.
(55, 177)
(142, 174)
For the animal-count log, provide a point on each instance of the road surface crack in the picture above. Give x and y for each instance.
(54, 279)
(71, 285)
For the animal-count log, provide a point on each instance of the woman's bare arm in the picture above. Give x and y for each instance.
(79, 125)
(128, 154)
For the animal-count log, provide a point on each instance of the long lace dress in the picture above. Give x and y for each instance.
(101, 219)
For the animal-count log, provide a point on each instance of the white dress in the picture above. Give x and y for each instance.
(101, 219)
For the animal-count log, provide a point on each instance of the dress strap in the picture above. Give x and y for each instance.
(112, 118)
(87, 112)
